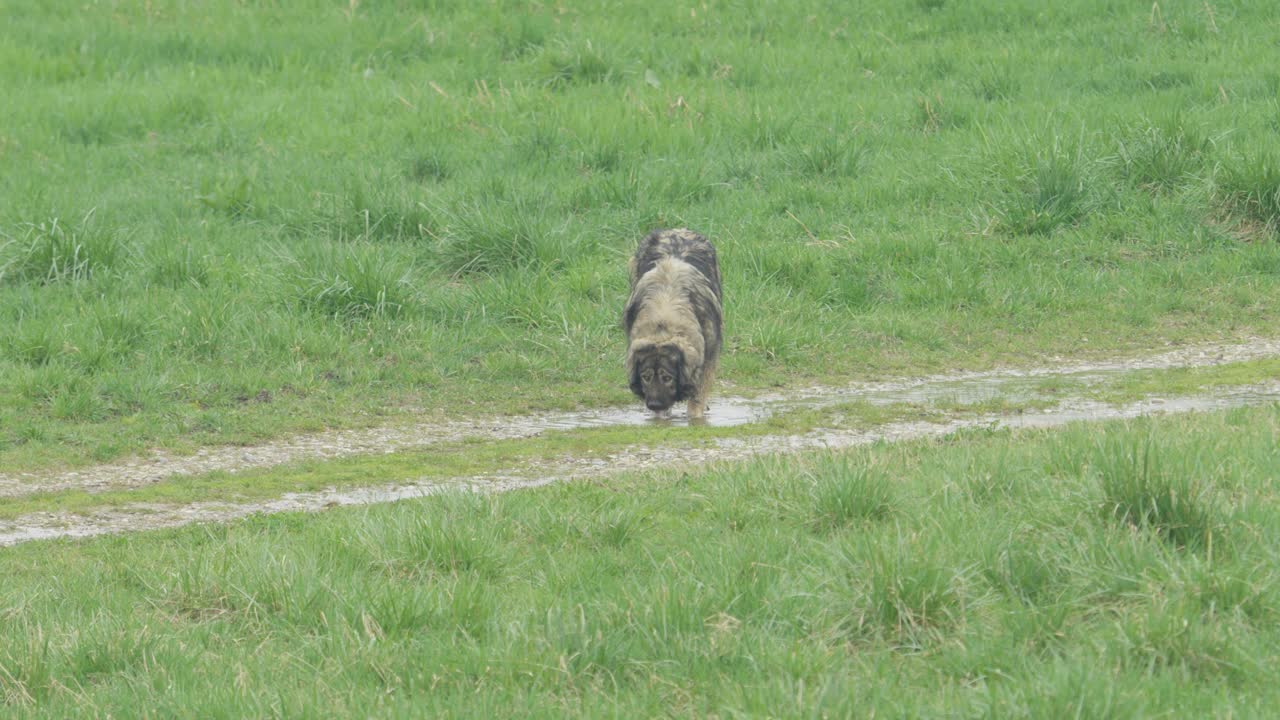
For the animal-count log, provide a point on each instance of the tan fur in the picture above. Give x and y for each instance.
(666, 318)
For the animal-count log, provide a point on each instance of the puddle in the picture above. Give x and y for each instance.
(722, 412)
(968, 388)
(49, 525)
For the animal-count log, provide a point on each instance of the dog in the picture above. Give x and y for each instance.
(673, 320)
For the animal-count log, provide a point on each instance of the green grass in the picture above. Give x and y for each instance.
(1184, 381)
(224, 222)
(1115, 570)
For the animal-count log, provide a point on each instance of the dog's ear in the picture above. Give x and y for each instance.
(637, 388)
(633, 373)
(690, 373)
(630, 312)
(635, 301)
(632, 275)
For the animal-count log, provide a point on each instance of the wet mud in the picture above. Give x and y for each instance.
(48, 525)
(1015, 384)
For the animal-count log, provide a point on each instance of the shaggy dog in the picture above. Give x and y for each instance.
(673, 320)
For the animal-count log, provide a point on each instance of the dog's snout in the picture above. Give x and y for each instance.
(655, 406)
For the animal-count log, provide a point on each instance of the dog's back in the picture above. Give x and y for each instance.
(681, 244)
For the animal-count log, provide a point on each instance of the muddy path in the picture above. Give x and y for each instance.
(1015, 385)
(49, 525)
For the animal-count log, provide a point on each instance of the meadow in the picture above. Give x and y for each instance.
(223, 222)
(1122, 570)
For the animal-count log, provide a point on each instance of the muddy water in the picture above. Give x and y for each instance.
(724, 412)
(1015, 385)
(44, 526)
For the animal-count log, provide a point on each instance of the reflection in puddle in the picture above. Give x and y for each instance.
(721, 412)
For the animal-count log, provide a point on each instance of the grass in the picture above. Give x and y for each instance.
(223, 223)
(1140, 491)
(1163, 157)
(1252, 187)
(1038, 574)
(1185, 381)
(49, 252)
(1052, 190)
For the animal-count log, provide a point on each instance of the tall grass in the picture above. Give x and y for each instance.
(1251, 185)
(1141, 490)
(499, 235)
(1053, 189)
(847, 493)
(1164, 157)
(51, 252)
(356, 282)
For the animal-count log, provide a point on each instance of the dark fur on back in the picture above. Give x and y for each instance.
(673, 319)
(685, 245)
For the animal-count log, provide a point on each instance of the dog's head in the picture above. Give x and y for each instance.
(661, 375)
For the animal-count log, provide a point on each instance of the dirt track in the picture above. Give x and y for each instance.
(960, 388)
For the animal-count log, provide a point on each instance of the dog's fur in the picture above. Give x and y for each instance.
(673, 320)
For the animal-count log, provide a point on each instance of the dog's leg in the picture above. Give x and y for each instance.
(696, 408)
(698, 403)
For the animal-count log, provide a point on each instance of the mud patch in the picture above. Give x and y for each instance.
(1014, 385)
(49, 525)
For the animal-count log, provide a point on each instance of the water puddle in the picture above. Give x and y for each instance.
(723, 412)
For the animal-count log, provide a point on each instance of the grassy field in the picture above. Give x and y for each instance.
(224, 221)
(1119, 570)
